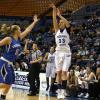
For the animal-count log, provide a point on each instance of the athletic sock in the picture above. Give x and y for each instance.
(59, 86)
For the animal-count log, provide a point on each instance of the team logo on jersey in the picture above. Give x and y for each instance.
(16, 46)
(3, 72)
(62, 36)
(17, 51)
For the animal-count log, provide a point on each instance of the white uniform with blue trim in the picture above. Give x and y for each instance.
(63, 53)
(50, 68)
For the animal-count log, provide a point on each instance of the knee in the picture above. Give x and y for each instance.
(7, 87)
(64, 73)
(59, 73)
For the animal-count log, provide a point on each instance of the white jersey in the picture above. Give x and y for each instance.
(51, 58)
(51, 67)
(62, 41)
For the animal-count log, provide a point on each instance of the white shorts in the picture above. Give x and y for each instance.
(62, 61)
(50, 71)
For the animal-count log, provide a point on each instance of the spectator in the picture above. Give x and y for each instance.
(88, 77)
(72, 83)
(24, 66)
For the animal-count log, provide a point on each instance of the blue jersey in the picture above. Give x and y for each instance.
(13, 50)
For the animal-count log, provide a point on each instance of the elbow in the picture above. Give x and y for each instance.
(0, 43)
(67, 25)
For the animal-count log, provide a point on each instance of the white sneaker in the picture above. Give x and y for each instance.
(66, 94)
(80, 95)
(63, 94)
(86, 96)
(58, 94)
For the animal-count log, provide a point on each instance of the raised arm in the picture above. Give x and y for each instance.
(61, 17)
(5, 41)
(29, 28)
(45, 59)
(25, 47)
(55, 24)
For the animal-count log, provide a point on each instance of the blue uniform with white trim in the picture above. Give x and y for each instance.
(7, 75)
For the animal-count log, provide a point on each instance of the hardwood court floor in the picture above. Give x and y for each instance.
(17, 94)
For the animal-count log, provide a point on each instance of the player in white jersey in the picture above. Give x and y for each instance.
(63, 53)
(50, 67)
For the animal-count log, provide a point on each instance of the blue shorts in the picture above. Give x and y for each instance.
(7, 75)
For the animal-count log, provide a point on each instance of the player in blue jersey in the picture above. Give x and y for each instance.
(7, 76)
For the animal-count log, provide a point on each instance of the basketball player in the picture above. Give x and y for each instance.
(63, 53)
(7, 76)
(50, 68)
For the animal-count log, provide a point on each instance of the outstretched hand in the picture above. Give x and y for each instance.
(35, 18)
(52, 5)
(58, 12)
(26, 40)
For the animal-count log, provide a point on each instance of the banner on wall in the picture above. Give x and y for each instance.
(21, 80)
(22, 83)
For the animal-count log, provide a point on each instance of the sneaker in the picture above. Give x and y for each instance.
(86, 96)
(52, 94)
(81, 95)
(63, 94)
(3, 97)
(59, 94)
(31, 94)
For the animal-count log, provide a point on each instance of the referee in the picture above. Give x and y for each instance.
(34, 70)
